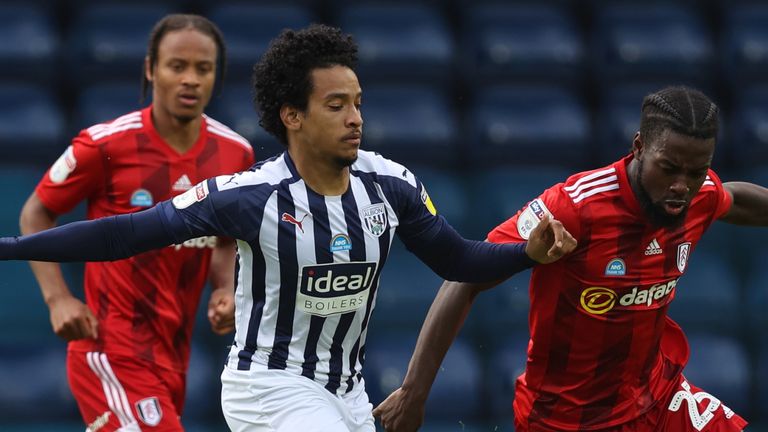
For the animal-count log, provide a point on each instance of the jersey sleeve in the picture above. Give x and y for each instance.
(554, 201)
(723, 200)
(416, 213)
(75, 175)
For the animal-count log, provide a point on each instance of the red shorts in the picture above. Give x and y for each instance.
(687, 409)
(117, 393)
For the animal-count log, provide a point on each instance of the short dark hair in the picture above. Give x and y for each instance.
(175, 22)
(283, 74)
(681, 109)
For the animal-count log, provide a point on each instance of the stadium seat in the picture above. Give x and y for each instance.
(410, 123)
(448, 190)
(31, 124)
(501, 309)
(105, 101)
(234, 107)
(749, 125)
(108, 41)
(522, 124)
(400, 42)
(719, 365)
(662, 41)
(506, 362)
(708, 295)
(534, 42)
(455, 395)
(499, 193)
(29, 43)
(745, 44)
(248, 29)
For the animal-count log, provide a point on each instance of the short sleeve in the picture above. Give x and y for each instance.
(554, 201)
(723, 200)
(75, 175)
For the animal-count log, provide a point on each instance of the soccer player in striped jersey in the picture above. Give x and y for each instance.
(604, 355)
(314, 226)
(130, 343)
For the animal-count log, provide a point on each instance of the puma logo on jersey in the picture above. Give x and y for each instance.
(292, 220)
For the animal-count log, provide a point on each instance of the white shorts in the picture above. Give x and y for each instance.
(276, 400)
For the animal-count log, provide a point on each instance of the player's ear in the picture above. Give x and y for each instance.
(637, 145)
(147, 69)
(291, 117)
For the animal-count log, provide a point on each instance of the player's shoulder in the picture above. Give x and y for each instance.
(267, 173)
(376, 165)
(711, 183)
(592, 185)
(127, 124)
(226, 135)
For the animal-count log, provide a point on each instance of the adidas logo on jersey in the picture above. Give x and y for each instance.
(653, 248)
(182, 184)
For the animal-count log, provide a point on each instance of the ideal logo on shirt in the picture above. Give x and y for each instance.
(332, 289)
(599, 300)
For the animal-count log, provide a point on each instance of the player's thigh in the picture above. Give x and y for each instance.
(279, 401)
(117, 393)
(359, 409)
(691, 409)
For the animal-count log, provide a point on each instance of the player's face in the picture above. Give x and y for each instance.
(670, 172)
(332, 125)
(183, 77)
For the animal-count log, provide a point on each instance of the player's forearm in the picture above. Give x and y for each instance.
(442, 324)
(222, 275)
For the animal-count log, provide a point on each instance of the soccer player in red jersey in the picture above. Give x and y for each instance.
(129, 345)
(603, 354)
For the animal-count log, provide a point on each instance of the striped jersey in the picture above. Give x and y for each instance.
(145, 304)
(308, 264)
(602, 349)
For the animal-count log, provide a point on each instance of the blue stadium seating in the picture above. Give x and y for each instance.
(501, 309)
(29, 43)
(745, 44)
(31, 124)
(249, 27)
(506, 362)
(409, 123)
(455, 395)
(105, 101)
(448, 190)
(534, 42)
(719, 365)
(749, 125)
(108, 41)
(651, 41)
(707, 296)
(234, 107)
(521, 124)
(760, 405)
(403, 42)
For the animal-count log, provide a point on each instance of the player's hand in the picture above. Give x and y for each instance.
(71, 319)
(221, 311)
(549, 241)
(399, 413)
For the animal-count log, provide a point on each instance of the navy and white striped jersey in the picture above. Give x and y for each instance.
(308, 265)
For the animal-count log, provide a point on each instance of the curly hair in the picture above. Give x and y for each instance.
(681, 109)
(175, 22)
(283, 74)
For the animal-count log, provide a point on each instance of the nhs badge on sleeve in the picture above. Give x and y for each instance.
(340, 242)
(530, 217)
(141, 198)
(616, 267)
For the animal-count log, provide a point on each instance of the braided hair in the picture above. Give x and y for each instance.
(176, 22)
(283, 74)
(681, 109)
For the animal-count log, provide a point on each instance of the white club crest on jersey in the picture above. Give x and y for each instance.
(149, 411)
(374, 219)
(683, 250)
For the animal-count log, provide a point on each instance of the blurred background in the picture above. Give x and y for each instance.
(488, 102)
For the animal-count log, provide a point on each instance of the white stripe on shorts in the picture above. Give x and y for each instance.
(113, 390)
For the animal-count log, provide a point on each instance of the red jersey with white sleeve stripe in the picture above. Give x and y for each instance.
(603, 351)
(145, 304)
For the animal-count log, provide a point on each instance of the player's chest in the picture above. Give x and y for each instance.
(135, 183)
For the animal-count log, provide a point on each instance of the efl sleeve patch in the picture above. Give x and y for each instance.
(196, 194)
(63, 167)
(530, 217)
(427, 201)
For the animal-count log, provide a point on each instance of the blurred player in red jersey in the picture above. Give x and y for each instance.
(604, 355)
(129, 346)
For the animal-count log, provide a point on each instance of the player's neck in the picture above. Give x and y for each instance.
(325, 178)
(179, 135)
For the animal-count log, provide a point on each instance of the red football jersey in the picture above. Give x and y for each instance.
(145, 304)
(602, 349)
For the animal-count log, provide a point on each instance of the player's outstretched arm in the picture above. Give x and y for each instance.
(221, 305)
(750, 204)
